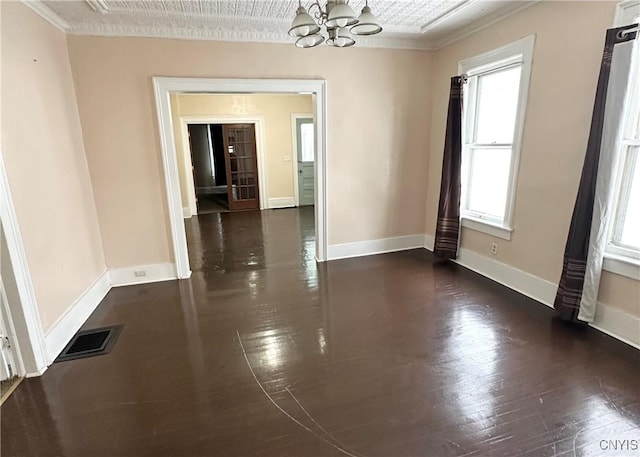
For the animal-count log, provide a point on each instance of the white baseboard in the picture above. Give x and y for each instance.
(371, 247)
(186, 212)
(35, 374)
(67, 326)
(152, 273)
(618, 324)
(609, 320)
(281, 202)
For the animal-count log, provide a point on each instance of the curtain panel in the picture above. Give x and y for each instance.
(448, 223)
(584, 251)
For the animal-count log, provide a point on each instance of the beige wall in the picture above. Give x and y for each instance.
(566, 62)
(276, 110)
(378, 116)
(45, 160)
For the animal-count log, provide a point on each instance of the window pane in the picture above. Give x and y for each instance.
(489, 181)
(630, 235)
(307, 142)
(497, 103)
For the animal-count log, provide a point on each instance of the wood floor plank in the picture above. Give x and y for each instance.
(389, 355)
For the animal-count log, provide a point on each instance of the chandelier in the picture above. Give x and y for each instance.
(339, 20)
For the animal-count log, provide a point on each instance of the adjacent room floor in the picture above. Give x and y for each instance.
(265, 353)
(212, 203)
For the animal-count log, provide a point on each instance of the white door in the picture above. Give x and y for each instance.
(7, 358)
(306, 154)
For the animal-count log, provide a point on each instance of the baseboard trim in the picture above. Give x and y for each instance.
(372, 247)
(68, 325)
(609, 320)
(617, 324)
(186, 212)
(281, 202)
(35, 374)
(152, 273)
(63, 330)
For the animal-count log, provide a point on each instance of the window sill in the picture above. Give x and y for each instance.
(621, 265)
(490, 228)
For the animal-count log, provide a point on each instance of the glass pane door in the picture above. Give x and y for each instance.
(242, 166)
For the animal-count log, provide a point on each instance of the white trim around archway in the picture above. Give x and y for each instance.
(32, 350)
(165, 86)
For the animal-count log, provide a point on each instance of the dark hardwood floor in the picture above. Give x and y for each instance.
(212, 203)
(265, 353)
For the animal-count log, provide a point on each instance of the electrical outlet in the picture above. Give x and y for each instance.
(494, 248)
(139, 273)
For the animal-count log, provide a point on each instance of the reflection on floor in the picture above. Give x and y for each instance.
(262, 352)
(251, 240)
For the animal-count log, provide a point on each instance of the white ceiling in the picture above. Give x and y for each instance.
(419, 24)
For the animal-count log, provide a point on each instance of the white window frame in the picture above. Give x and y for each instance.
(620, 259)
(519, 52)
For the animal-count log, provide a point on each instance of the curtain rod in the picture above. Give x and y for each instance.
(622, 33)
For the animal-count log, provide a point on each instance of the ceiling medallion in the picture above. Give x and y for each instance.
(339, 20)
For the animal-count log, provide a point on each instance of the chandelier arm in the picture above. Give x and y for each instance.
(320, 14)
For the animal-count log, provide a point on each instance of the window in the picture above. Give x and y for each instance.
(494, 107)
(624, 230)
(307, 141)
(625, 233)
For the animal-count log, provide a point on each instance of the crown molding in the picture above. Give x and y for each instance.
(424, 28)
(47, 14)
(99, 6)
(482, 24)
(218, 34)
(255, 30)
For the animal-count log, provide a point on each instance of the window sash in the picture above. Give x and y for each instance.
(468, 152)
(475, 96)
(470, 132)
(628, 155)
(628, 162)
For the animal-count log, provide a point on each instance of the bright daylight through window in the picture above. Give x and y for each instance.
(625, 228)
(491, 141)
(307, 141)
(494, 105)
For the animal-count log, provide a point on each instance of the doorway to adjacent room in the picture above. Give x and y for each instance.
(256, 178)
(224, 167)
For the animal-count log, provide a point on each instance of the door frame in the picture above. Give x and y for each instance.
(163, 87)
(258, 123)
(294, 149)
(30, 348)
(10, 329)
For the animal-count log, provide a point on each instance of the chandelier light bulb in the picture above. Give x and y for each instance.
(310, 41)
(340, 38)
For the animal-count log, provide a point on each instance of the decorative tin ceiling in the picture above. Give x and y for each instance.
(407, 23)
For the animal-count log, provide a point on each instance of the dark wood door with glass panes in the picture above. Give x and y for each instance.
(242, 166)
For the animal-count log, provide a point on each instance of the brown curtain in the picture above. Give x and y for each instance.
(448, 225)
(569, 295)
